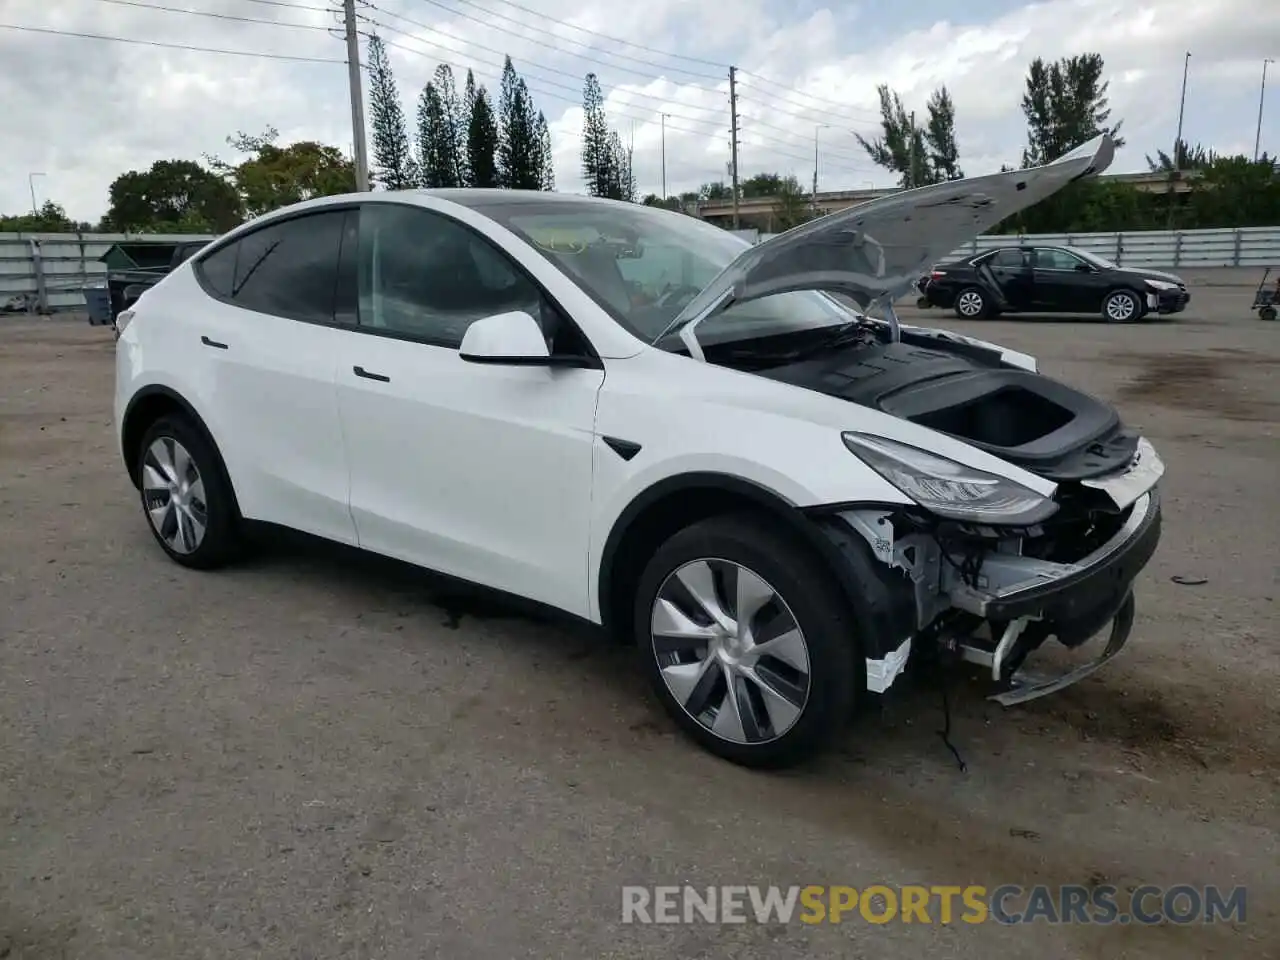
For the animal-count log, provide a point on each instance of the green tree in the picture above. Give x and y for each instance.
(793, 207)
(482, 141)
(453, 137)
(274, 177)
(519, 149)
(1189, 158)
(940, 137)
(597, 159)
(394, 166)
(761, 185)
(622, 181)
(172, 193)
(436, 159)
(900, 146)
(546, 156)
(716, 191)
(1065, 104)
(49, 218)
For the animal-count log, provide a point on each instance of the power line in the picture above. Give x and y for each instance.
(171, 46)
(793, 141)
(639, 46)
(814, 97)
(604, 36)
(703, 75)
(577, 91)
(216, 16)
(576, 100)
(556, 70)
(295, 6)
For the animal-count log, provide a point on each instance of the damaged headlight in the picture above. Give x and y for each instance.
(949, 489)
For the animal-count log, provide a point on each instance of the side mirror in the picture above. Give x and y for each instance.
(1083, 268)
(512, 339)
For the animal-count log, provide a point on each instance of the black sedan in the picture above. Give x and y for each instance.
(1050, 280)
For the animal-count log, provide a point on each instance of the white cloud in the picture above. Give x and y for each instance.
(83, 111)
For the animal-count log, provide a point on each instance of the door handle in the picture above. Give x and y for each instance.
(213, 343)
(362, 372)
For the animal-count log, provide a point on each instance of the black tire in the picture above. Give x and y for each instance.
(221, 541)
(1267, 313)
(965, 297)
(808, 594)
(1115, 296)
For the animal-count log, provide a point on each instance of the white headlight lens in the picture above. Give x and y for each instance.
(947, 488)
(1161, 285)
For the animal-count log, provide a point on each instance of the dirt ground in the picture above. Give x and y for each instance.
(314, 755)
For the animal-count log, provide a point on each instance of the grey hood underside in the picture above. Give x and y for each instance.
(875, 252)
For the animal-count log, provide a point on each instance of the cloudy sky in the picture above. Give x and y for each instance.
(80, 111)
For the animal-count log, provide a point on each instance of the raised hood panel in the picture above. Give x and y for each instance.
(878, 250)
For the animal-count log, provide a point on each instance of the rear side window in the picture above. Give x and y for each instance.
(288, 269)
(218, 270)
(1008, 258)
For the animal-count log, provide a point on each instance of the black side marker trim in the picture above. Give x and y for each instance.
(626, 449)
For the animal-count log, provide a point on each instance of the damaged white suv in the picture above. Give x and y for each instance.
(634, 417)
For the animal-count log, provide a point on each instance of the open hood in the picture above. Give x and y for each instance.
(876, 251)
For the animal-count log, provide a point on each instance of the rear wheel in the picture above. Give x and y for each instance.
(971, 304)
(1267, 313)
(1122, 306)
(749, 646)
(186, 494)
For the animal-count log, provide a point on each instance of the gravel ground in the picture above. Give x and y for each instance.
(319, 755)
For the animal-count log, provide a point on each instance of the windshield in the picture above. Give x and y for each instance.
(1093, 258)
(643, 265)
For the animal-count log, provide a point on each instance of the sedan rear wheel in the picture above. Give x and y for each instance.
(749, 647)
(971, 304)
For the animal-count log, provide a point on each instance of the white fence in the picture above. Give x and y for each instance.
(1236, 247)
(48, 272)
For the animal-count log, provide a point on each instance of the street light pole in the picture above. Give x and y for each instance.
(664, 158)
(816, 128)
(1257, 137)
(1177, 141)
(31, 183)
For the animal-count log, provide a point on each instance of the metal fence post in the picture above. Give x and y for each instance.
(1235, 257)
(37, 264)
(1119, 249)
(1177, 249)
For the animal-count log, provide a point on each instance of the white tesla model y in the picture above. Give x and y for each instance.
(712, 449)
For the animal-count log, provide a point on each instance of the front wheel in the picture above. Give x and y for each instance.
(1267, 313)
(1122, 306)
(746, 642)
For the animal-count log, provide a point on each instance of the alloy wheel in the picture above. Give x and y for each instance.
(173, 494)
(970, 303)
(730, 651)
(1121, 307)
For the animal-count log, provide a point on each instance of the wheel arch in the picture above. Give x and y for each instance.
(147, 406)
(674, 502)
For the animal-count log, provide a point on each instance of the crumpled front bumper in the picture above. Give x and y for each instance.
(1058, 592)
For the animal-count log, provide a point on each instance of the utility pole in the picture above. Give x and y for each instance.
(911, 153)
(733, 144)
(357, 96)
(1257, 137)
(664, 159)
